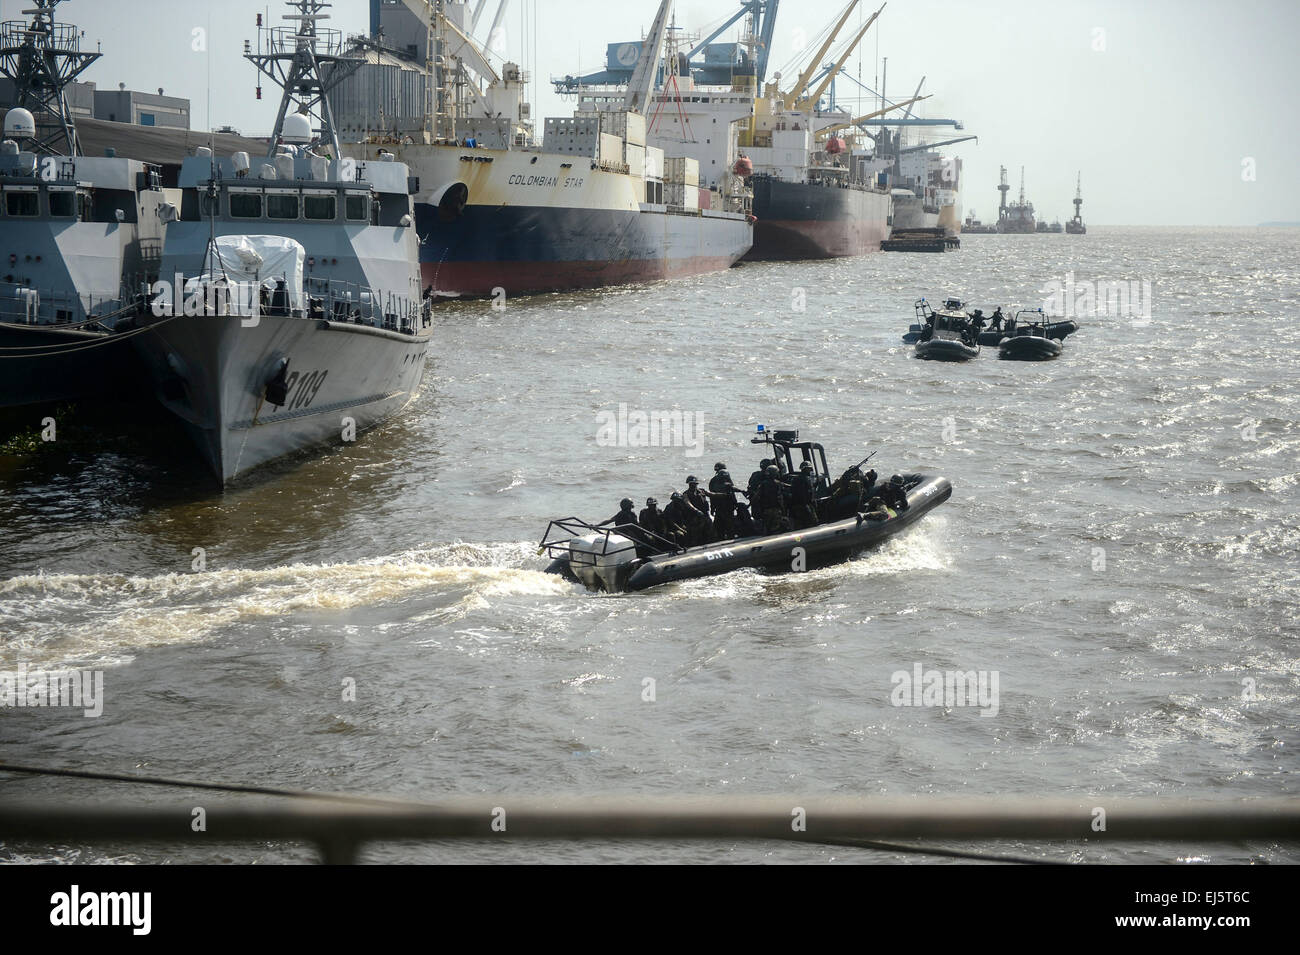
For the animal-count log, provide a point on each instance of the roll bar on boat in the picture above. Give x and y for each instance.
(783, 442)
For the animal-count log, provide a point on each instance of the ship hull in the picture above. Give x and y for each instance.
(911, 213)
(67, 364)
(212, 371)
(542, 222)
(543, 249)
(803, 221)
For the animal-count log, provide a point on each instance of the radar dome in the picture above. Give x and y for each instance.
(296, 129)
(20, 124)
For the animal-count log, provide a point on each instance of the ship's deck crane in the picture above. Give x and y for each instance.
(860, 120)
(764, 14)
(641, 87)
(944, 142)
(795, 96)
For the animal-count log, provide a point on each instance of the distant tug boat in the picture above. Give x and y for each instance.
(1075, 226)
(78, 234)
(337, 342)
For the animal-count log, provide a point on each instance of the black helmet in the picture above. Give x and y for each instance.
(719, 466)
(626, 503)
(874, 503)
(806, 466)
(676, 496)
(692, 480)
(762, 465)
(771, 469)
(871, 475)
(650, 502)
(724, 475)
(979, 312)
(896, 479)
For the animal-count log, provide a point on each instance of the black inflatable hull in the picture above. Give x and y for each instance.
(991, 338)
(946, 349)
(1029, 348)
(822, 545)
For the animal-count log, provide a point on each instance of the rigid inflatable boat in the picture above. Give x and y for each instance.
(602, 558)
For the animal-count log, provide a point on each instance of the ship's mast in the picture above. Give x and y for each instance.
(1022, 185)
(1078, 197)
(42, 58)
(1003, 188)
(305, 61)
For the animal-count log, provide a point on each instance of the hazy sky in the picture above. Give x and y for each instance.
(1160, 103)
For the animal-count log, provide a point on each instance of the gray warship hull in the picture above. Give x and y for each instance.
(45, 365)
(212, 372)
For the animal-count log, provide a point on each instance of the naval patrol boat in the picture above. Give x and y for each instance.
(289, 312)
(79, 235)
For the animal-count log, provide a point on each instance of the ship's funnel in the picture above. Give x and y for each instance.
(20, 124)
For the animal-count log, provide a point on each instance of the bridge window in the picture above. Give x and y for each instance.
(63, 204)
(21, 204)
(282, 207)
(245, 205)
(318, 207)
(355, 207)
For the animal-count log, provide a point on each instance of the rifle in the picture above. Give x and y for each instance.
(866, 459)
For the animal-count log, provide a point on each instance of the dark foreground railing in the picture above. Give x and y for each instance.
(339, 825)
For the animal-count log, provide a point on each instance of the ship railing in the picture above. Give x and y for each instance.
(332, 300)
(562, 532)
(340, 825)
(48, 306)
(60, 36)
(341, 301)
(286, 40)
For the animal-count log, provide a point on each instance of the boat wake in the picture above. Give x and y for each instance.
(75, 620)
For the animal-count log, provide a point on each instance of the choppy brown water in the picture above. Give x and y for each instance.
(407, 561)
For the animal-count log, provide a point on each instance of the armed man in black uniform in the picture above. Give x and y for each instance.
(803, 497)
(722, 493)
(652, 519)
(894, 494)
(771, 501)
(698, 498)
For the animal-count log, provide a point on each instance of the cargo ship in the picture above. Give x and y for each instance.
(593, 204)
(927, 192)
(820, 183)
(820, 191)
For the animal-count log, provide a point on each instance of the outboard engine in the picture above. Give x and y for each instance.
(602, 561)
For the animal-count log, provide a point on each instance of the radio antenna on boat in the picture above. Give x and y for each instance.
(42, 58)
(307, 61)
